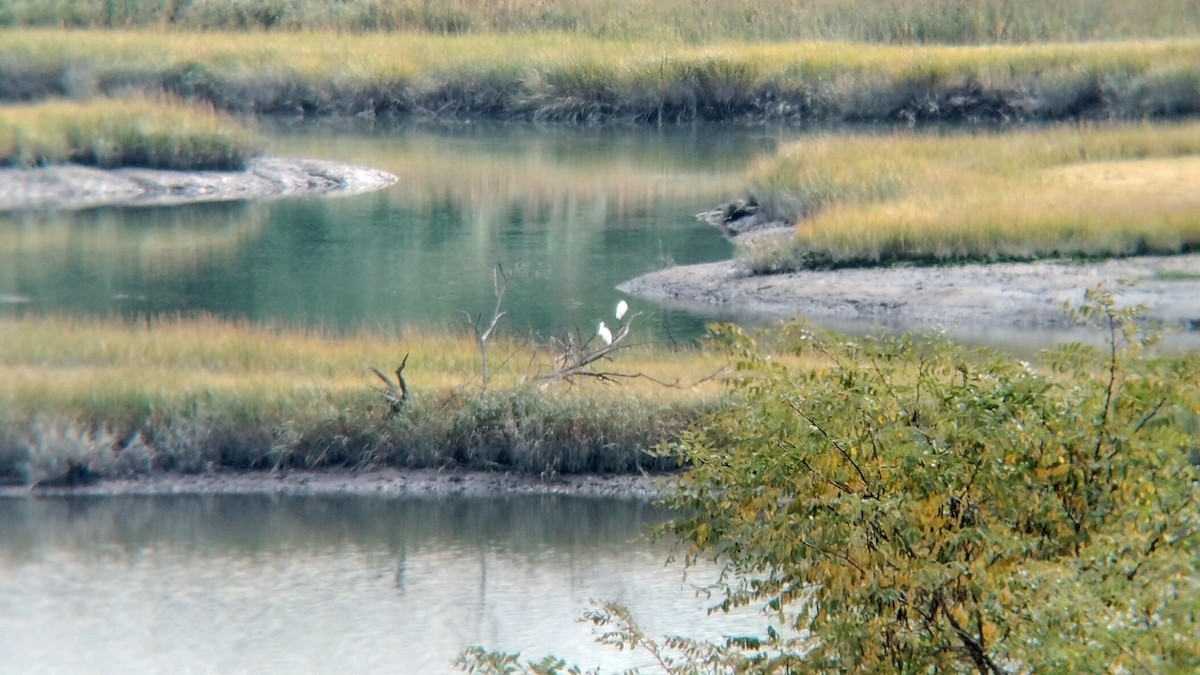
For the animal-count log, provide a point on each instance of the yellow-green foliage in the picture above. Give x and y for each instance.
(886, 21)
(1089, 190)
(563, 77)
(922, 507)
(139, 131)
(199, 392)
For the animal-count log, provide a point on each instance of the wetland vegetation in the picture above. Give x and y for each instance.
(563, 77)
(1067, 191)
(903, 504)
(107, 398)
(111, 133)
(858, 198)
(913, 21)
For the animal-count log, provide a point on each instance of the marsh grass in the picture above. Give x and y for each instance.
(568, 78)
(955, 21)
(142, 131)
(191, 394)
(1080, 191)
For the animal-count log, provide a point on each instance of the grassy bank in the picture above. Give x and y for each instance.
(569, 78)
(1066, 191)
(120, 398)
(139, 131)
(958, 21)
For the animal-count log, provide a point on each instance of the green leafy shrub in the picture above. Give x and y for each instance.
(920, 506)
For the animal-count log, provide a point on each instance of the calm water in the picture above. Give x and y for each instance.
(320, 584)
(571, 212)
(241, 584)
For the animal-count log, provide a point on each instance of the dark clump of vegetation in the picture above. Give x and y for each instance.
(523, 430)
(916, 506)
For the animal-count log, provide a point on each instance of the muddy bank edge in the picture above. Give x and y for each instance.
(962, 298)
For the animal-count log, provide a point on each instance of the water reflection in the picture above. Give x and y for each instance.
(104, 260)
(572, 212)
(316, 584)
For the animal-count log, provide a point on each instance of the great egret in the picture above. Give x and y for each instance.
(622, 307)
(605, 334)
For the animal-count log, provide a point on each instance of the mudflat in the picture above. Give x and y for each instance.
(383, 482)
(74, 187)
(962, 299)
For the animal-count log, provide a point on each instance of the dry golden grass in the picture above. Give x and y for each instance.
(1089, 191)
(189, 394)
(895, 21)
(347, 58)
(50, 363)
(564, 77)
(137, 131)
(1168, 183)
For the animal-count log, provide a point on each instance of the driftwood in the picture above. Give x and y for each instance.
(394, 391)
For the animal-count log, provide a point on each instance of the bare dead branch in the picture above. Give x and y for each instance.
(500, 282)
(395, 392)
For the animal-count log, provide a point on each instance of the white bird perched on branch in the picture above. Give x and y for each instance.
(622, 307)
(604, 333)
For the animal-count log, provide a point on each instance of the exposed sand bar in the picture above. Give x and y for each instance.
(75, 187)
(964, 299)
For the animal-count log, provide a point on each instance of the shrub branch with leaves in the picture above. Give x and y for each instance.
(920, 505)
(917, 506)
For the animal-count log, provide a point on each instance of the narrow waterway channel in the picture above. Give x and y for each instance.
(570, 213)
(330, 584)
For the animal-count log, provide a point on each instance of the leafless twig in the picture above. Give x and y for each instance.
(394, 391)
(500, 281)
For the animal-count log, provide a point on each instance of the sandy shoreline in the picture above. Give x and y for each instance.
(964, 299)
(76, 187)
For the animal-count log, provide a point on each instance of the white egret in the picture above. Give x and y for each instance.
(604, 333)
(622, 307)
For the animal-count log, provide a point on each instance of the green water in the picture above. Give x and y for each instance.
(571, 213)
(257, 584)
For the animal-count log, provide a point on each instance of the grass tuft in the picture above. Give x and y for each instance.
(140, 131)
(1086, 191)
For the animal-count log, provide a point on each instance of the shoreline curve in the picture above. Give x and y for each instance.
(71, 186)
(964, 300)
